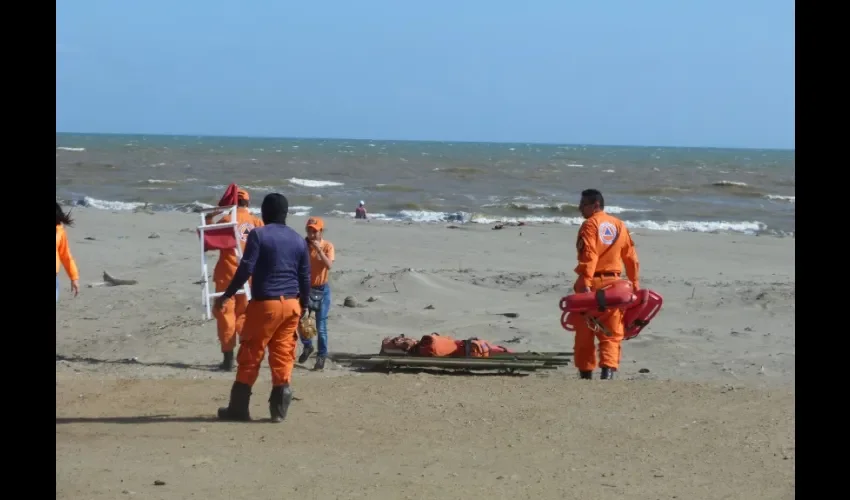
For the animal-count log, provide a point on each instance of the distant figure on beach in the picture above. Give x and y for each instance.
(63, 252)
(277, 260)
(604, 245)
(322, 255)
(231, 319)
(360, 211)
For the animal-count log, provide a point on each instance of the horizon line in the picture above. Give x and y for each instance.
(222, 136)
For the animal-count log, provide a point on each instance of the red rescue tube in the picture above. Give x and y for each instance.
(641, 313)
(638, 308)
(617, 295)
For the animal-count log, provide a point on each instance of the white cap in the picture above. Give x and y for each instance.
(362, 202)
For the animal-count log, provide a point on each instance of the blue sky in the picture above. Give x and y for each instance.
(653, 72)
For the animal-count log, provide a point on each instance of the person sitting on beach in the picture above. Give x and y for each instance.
(322, 255)
(231, 319)
(277, 260)
(360, 211)
(63, 252)
(604, 245)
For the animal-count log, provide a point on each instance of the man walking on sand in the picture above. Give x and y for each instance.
(277, 259)
(604, 245)
(231, 318)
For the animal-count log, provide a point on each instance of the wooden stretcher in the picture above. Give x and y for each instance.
(502, 362)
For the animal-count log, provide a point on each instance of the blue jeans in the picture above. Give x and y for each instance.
(57, 288)
(322, 322)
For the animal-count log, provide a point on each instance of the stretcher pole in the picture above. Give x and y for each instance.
(220, 212)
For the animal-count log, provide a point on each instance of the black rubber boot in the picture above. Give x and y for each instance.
(279, 402)
(320, 363)
(305, 354)
(237, 410)
(588, 375)
(227, 364)
(607, 373)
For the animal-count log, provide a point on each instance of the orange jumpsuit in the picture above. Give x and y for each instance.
(231, 318)
(604, 245)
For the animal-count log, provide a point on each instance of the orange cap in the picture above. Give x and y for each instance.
(242, 194)
(316, 223)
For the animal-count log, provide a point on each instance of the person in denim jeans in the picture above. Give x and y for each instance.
(322, 256)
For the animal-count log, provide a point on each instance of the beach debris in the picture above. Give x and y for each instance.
(371, 299)
(153, 236)
(515, 340)
(112, 281)
(90, 238)
(507, 315)
(159, 483)
(350, 302)
(643, 370)
(430, 306)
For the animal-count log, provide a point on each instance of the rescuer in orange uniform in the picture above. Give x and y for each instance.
(231, 318)
(63, 252)
(277, 259)
(604, 245)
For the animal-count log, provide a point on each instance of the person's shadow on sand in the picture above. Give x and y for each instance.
(94, 361)
(149, 419)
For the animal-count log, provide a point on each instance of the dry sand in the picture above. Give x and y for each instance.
(713, 418)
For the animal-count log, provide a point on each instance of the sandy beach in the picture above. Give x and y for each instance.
(712, 418)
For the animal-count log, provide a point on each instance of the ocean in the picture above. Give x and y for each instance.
(745, 191)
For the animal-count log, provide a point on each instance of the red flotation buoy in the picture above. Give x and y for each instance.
(639, 314)
(639, 307)
(617, 295)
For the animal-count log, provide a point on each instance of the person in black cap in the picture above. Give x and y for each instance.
(276, 257)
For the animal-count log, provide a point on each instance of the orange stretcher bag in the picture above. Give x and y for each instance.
(435, 345)
(472, 348)
(399, 345)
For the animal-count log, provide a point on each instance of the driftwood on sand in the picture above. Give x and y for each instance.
(109, 280)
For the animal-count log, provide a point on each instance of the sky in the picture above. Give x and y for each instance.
(695, 73)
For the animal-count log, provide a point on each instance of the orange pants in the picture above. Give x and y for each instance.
(272, 324)
(230, 320)
(584, 350)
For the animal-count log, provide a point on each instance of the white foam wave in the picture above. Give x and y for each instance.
(427, 216)
(159, 181)
(63, 148)
(115, 206)
(296, 210)
(777, 197)
(313, 183)
(612, 209)
(729, 184)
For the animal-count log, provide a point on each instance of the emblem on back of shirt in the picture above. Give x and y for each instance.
(244, 229)
(607, 233)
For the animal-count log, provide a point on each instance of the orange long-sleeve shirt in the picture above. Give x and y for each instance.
(63, 254)
(604, 245)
